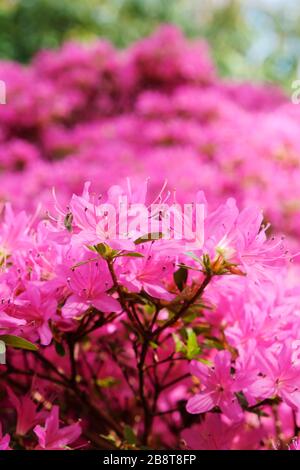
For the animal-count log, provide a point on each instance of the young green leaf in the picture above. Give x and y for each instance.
(149, 237)
(59, 348)
(193, 348)
(129, 435)
(17, 342)
(180, 278)
(179, 344)
(107, 382)
(133, 254)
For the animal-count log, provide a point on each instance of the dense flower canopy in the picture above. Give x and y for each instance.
(127, 341)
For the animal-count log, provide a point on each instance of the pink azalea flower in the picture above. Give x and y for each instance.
(294, 444)
(151, 273)
(282, 369)
(213, 433)
(89, 284)
(14, 233)
(4, 440)
(97, 221)
(38, 308)
(239, 239)
(7, 321)
(27, 414)
(218, 388)
(52, 437)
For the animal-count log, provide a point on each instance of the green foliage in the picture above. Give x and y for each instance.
(129, 435)
(106, 382)
(17, 342)
(187, 343)
(247, 41)
(109, 254)
(149, 237)
(59, 348)
(193, 348)
(30, 25)
(180, 277)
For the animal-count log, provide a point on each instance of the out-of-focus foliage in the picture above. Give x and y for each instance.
(27, 26)
(257, 39)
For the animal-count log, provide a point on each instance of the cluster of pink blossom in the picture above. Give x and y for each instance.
(158, 109)
(127, 323)
(127, 342)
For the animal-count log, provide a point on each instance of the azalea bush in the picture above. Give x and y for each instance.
(124, 337)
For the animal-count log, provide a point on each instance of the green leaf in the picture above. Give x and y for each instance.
(190, 316)
(17, 342)
(107, 382)
(110, 438)
(149, 237)
(129, 435)
(206, 263)
(134, 254)
(260, 413)
(180, 278)
(149, 309)
(193, 348)
(59, 348)
(202, 329)
(91, 247)
(82, 263)
(193, 256)
(104, 250)
(179, 345)
(213, 343)
(242, 400)
(192, 268)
